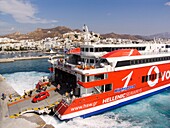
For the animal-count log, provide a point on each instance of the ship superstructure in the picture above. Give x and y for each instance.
(98, 77)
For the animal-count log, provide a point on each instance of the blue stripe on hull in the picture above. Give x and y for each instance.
(122, 104)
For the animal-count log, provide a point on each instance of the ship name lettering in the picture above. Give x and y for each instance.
(84, 106)
(165, 74)
(117, 97)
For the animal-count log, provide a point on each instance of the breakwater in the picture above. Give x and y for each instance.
(6, 60)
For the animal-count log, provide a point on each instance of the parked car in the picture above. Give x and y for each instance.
(40, 96)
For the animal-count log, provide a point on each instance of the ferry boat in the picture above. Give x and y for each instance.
(97, 78)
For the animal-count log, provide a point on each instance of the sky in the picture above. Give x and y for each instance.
(136, 17)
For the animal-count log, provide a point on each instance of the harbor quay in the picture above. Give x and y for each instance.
(11, 107)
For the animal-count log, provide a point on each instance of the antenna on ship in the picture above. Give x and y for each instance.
(86, 35)
(85, 28)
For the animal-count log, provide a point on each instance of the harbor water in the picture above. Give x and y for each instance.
(152, 112)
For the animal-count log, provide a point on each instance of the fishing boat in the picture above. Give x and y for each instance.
(102, 77)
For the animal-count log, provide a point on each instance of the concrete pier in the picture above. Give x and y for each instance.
(30, 120)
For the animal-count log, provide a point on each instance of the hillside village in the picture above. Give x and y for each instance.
(65, 38)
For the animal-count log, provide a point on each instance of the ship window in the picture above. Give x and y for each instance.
(154, 59)
(91, 49)
(108, 87)
(83, 78)
(143, 79)
(82, 49)
(123, 63)
(143, 48)
(82, 59)
(99, 77)
(113, 49)
(100, 49)
(104, 61)
(107, 49)
(145, 61)
(96, 49)
(87, 61)
(86, 49)
(131, 62)
(136, 61)
(150, 60)
(91, 60)
(167, 46)
(147, 78)
(105, 88)
(140, 61)
(105, 76)
(88, 78)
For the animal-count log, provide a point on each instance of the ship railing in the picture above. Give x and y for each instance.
(85, 67)
(61, 63)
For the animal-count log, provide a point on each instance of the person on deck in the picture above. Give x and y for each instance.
(58, 88)
(10, 97)
(30, 93)
(25, 94)
(3, 96)
(71, 93)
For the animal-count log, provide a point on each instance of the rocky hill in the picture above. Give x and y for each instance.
(165, 35)
(121, 36)
(40, 33)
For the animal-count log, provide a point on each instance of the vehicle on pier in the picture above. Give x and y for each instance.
(40, 96)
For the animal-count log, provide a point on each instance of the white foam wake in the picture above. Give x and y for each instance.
(21, 81)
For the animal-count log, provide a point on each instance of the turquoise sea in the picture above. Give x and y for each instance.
(152, 112)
